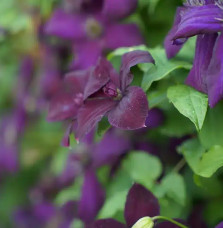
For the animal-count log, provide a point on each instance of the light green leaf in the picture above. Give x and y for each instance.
(113, 204)
(162, 68)
(189, 103)
(212, 131)
(203, 163)
(143, 167)
(172, 186)
(176, 125)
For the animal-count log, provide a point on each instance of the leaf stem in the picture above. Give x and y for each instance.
(170, 220)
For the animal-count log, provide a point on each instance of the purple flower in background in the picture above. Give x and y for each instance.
(220, 225)
(94, 31)
(109, 93)
(140, 203)
(46, 215)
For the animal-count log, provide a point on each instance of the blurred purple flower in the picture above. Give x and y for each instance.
(46, 215)
(95, 31)
(220, 225)
(139, 203)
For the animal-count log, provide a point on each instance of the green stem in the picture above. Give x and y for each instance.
(170, 220)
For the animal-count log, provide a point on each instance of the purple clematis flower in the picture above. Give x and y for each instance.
(86, 96)
(140, 203)
(196, 17)
(109, 93)
(94, 29)
(205, 19)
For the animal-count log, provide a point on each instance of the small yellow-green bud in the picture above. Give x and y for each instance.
(145, 222)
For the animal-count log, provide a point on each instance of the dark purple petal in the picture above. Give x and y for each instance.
(131, 111)
(110, 148)
(99, 77)
(155, 118)
(90, 114)
(140, 203)
(66, 26)
(92, 197)
(117, 9)
(122, 35)
(67, 100)
(171, 49)
(107, 223)
(199, 20)
(167, 224)
(196, 218)
(198, 77)
(129, 60)
(220, 225)
(215, 74)
(86, 54)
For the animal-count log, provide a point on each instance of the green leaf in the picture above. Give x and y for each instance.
(203, 163)
(156, 98)
(172, 186)
(212, 131)
(143, 167)
(113, 204)
(189, 103)
(176, 125)
(163, 67)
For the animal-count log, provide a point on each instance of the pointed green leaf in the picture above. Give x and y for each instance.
(189, 103)
(203, 163)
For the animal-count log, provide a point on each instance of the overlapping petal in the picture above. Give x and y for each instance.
(99, 77)
(171, 48)
(86, 54)
(91, 113)
(124, 114)
(129, 60)
(66, 25)
(204, 49)
(122, 35)
(215, 74)
(199, 20)
(117, 9)
(66, 102)
(140, 203)
(92, 197)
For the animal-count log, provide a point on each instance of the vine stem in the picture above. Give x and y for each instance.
(170, 220)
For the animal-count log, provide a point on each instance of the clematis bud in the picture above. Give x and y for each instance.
(145, 222)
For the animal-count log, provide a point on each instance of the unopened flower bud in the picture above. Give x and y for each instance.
(145, 222)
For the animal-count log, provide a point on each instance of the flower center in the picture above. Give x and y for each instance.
(93, 28)
(111, 90)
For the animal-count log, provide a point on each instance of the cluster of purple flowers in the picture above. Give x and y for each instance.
(85, 88)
